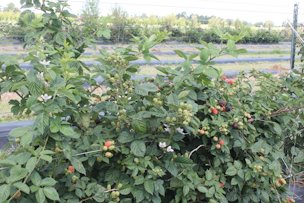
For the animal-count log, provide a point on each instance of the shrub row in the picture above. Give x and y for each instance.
(188, 135)
(190, 35)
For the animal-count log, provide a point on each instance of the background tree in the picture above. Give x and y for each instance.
(92, 23)
(91, 9)
(11, 7)
(268, 24)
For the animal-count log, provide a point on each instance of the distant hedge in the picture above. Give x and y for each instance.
(123, 33)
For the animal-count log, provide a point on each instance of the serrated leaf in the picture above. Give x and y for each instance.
(78, 165)
(35, 88)
(183, 160)
(231, 171)
(51, 193)
(186, 190)
(40, 197)
(36, 178)
(19, 132)
(143, 89)
(55, 125)
(140, 126)
(138, 148)
(202, 189)
(208, 175)
(68, 131)
(26, 139)
(183, 94)
(31, 164)
(5, 192)
(48, 182)
(46, 158)
(277, 128)
(125, 137)
(17, 173)
(171, 167)
(23, 187)
(149, 186)
(59, 38)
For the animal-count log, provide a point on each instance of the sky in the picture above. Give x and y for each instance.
(252, 11)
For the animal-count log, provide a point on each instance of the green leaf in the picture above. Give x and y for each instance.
(183, 94)
(60, 38)
(78, 165)
(125, 137)
(265, 196)
(183, 160)
(210, 192)
(23, 187)
(209, 175)
(31, 164)
(46, 158)
(186, 190)
(7, 162)
(17, 173)
(277, 128)
(181, 54)
(171, 167)
(41, 122)
(138, 148)
(140, 126)
(149, 186)
(143, 89)
(99, 196)
(202, 189)
(51, 193)
(40, 197)
(125, 191)
(19, 132)
(36, 178)
(68, 131)
(173, 99)
(231, 171)
(48, 182)
(55, 125)
(204, 56)
(26, 139)
(5, 192)
(35, 88)
(139, 195)
(299, 157)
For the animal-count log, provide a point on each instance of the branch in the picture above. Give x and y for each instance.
(196, 149)
(19, 95)
(285, 110)
(89, 198)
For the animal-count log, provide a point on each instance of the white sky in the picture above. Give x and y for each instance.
(277, 11)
